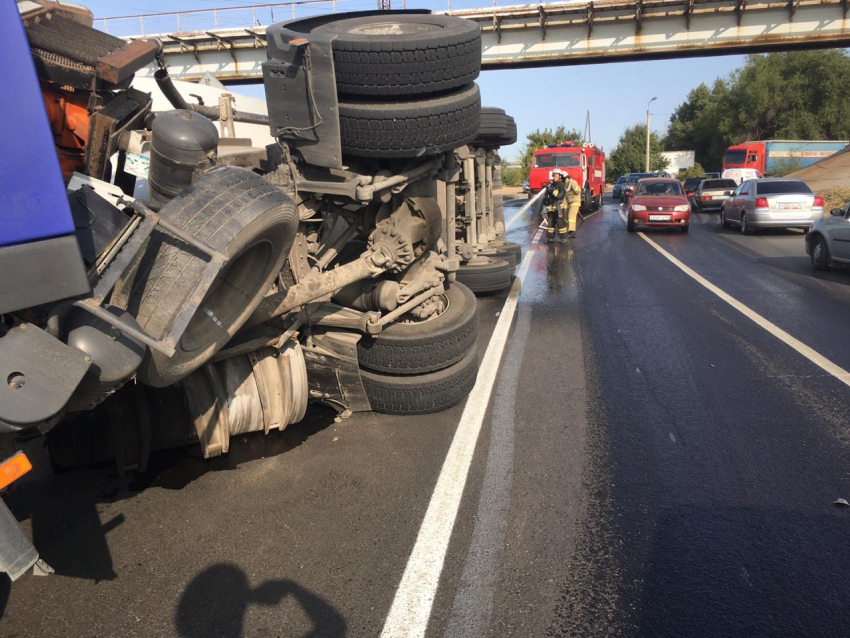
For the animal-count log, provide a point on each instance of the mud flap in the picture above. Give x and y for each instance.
(333, 373)
(17, 553)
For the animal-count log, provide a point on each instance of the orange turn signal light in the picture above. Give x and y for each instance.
(14, 468)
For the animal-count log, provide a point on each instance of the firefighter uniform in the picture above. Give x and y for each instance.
(553, 200)
(571, 204)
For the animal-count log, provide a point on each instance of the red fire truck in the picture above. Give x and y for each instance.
(585, 164)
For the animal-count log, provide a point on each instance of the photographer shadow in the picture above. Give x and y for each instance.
(217, 601)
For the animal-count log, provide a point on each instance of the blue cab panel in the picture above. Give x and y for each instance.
(34, 205)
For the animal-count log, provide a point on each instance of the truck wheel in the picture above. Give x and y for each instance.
(422, 393)
(510, 251)
(489, 276)
(586, 199)
(494, 122)
(238, 213)
(820, 254)
(410, 128)
(512, 247)
(500, 253)
(511, 134)
(425, 346)
(493, 130)
(393, 54)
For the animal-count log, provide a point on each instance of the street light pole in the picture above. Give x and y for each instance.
(647, 132)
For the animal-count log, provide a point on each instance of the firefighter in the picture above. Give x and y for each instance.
(571, 203)
(555, 214)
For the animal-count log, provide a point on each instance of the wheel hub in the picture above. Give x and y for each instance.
(393, 28)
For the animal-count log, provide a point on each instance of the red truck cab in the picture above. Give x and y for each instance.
(748, 155)
(585, 164)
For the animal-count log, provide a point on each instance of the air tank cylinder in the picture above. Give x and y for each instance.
(183, 146)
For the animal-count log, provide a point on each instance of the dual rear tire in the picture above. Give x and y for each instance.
(423, 367)
(487, 275)
(405, 81)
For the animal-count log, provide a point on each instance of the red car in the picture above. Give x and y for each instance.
(659, 202)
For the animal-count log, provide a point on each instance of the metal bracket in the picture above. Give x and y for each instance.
(223, 43)
(792, 9)
(186, 45)
(543, 16)
(497, 27)
(259, 38)
(376, 326)
(589, 19)
(638, 16)
(844, 8)
(739, 10)
(301, 91)
(689, 13)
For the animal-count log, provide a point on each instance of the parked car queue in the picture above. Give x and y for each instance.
(752, 205)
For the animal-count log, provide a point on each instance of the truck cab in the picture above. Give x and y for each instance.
(751, 155)
(585, 164)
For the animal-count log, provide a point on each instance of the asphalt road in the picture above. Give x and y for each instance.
(652, 462)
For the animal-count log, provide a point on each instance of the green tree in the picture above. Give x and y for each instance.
(630, 154)
(794, 95)
(694, 171)
(512, 176)
(701, 124)
(547, 137)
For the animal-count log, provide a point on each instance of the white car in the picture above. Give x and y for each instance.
(740, 174)
(828, 240)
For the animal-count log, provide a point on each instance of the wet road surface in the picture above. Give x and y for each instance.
(651, 463)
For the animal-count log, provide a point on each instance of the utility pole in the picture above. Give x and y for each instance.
(647, 132)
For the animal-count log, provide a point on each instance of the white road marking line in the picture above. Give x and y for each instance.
(537, 236)
(414, 598)
(812, 355)
(522, 210)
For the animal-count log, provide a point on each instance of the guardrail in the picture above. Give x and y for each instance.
(147, 24)
(213, 19)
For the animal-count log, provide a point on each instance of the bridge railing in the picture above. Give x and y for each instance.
(222, 18)
(248, 16)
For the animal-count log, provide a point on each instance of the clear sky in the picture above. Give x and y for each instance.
(616, 94)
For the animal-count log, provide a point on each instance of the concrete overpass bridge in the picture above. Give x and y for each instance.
(557, 33)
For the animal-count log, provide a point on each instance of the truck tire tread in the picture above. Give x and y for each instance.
(404, 64)
(425, 393)
(410, 128)
(418, 348)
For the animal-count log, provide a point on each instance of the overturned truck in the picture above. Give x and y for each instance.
(337, 264)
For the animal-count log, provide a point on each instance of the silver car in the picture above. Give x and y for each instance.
(774, 202)
(711, 193)
(828, 241)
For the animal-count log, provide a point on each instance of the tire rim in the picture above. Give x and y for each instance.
(233, 289)
(379, 29)
(817, 252)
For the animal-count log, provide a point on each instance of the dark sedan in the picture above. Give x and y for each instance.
(618, 186)
(691, 184)
(631, 181)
